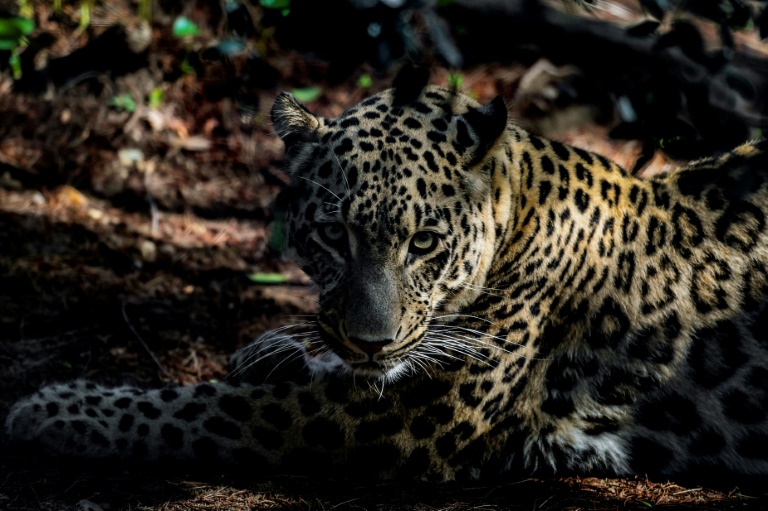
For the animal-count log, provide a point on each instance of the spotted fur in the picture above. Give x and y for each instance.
(490, 301)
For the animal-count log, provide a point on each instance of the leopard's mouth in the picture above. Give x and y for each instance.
(379, 365)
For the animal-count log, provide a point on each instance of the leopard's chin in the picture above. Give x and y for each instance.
(382, 370)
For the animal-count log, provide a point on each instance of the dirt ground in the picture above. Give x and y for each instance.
(129, 241)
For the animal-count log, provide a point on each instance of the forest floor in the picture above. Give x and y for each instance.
(130, 238)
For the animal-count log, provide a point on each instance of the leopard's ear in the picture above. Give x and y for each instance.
(486, 125)
(408, 84)
(292, 121)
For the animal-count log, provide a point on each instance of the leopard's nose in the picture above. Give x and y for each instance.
(370, 347)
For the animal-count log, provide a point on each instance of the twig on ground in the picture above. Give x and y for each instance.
(145, 345)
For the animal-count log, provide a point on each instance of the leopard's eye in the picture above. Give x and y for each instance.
(332, 233)
(423, 242)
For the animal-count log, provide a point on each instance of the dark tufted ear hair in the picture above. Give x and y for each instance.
(488, 123)
(292, 121)
(408, 84)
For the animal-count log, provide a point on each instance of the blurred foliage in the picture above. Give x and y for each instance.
(13, 30)
(307, 94)
(183, 27)
(268, 278)
(155, 98)
(364, 81)
(123, 102)
(13, 38)
(662, 83)
(455, 81)
(716, 99)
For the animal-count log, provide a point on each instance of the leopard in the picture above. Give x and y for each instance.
(491, 302)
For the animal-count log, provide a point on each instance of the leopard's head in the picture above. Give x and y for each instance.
(390, 213)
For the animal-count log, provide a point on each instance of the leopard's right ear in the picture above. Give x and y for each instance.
(292, 121)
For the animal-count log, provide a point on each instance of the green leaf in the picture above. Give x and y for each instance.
(183, 27)
(15, 62)
(12, 30)
(186, 67)
(307, 94)
(275, 4)
(145, 10)
(365, 81)
(155, 98)
(455, 81)
(124, 102)
(268, 278)
(85, 15)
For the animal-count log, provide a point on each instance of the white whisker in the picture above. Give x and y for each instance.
(456, 315)
(321, 186)
(479, 334)
(344, 175)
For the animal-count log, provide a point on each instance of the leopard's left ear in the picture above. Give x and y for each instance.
(293, 121)
(479, 128)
